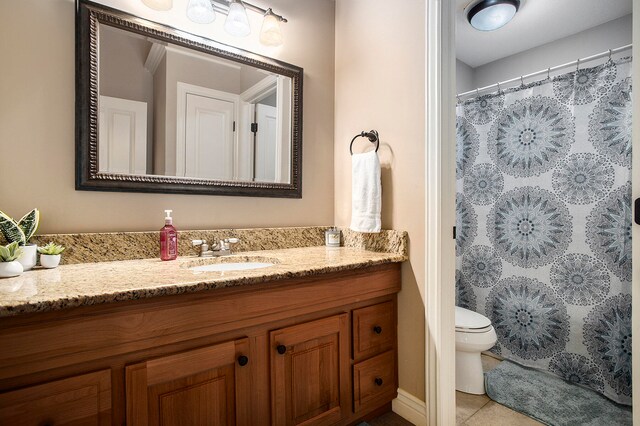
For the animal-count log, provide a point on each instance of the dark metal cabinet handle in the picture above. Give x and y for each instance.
(243, 360)
(377, 329)
(637, 211)
(378, 381)
(281, 349)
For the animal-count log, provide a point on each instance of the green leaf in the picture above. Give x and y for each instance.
(10, 252)
(4, 254)
(11, 231)
(51, 248)
(29, 224)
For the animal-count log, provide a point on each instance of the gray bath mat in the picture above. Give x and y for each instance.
(550, 399)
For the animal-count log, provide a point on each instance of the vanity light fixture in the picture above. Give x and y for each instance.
(201, 11)
(270, 34)
(489, 15)
(237, 22)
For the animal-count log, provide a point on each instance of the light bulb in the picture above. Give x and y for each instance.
(237, 23)
(158, 4)
(270, 34)
(201, 11)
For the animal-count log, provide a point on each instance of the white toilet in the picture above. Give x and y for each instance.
(474, 334)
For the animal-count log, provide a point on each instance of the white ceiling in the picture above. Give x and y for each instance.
(537, 22)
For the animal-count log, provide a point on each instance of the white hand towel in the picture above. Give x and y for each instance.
(366, 192)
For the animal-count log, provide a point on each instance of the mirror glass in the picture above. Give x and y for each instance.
(168, 110)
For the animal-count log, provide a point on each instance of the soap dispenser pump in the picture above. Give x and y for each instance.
(168, 238)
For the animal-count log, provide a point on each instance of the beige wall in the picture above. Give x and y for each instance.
(37, 116)
(380, 85)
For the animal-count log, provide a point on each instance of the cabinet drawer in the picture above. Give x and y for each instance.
(374, 330)
(78, 400)
(374, 381)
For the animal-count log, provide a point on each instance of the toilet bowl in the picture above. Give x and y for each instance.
(474, 334)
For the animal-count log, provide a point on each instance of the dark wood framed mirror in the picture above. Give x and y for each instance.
(166, 111)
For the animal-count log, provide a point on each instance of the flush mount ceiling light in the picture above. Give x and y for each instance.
(489, 15)
(237, 22)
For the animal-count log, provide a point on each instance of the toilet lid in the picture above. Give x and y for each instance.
(470, 320)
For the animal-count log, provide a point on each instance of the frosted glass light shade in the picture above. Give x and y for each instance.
(270, 34)
(201, 11)
(237, 22)
(158, 4)
(490, 15)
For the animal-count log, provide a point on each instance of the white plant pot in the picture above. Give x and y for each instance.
(29, 256)
(49, 261)
(10, 269)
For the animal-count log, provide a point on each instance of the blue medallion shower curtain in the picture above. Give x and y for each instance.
(543, 207)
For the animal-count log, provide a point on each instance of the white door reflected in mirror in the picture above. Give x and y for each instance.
(123, 136)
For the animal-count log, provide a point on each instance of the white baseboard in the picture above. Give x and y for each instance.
(410, 408)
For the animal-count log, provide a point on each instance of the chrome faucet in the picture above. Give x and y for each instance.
(222, 248)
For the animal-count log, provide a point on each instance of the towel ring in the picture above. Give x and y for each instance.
(372, 136)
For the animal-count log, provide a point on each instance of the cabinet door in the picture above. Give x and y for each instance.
(310, 372)
(79, 400)
(207, 386)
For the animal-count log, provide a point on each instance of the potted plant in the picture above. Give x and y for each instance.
(50, 255)
(9, 266)
(21, 232)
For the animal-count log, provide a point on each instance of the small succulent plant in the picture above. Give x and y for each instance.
(19, 231)
(51, 248)
(10, 252)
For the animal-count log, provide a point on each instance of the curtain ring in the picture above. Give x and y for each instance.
(458, 98)
(610, 52)
(499, 89)
(549, 73)
(521, 81)
(577, 64)
(477, 93)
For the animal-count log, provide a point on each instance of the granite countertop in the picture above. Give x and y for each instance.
(83, 284)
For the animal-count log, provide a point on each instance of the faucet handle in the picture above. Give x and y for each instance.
(228, 242)
(202, 244)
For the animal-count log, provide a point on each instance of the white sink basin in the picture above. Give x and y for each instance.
(237, 266)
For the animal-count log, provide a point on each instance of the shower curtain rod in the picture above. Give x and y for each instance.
(548, 71)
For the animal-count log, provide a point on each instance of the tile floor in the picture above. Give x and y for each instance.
(479, 410)
(472, 410)
(389, 419)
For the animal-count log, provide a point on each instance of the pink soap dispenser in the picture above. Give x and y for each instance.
(168, 239)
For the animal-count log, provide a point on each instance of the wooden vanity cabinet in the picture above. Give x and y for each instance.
(79, 400)
(308, 351)
(205, 386)
(310, 372)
